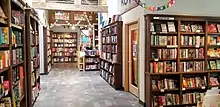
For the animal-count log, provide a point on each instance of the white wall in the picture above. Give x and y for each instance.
(182, 7)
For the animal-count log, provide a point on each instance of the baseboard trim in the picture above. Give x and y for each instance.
(142, 103)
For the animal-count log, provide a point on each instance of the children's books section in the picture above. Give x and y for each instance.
(182, 59)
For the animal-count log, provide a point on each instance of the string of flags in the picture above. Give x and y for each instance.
(169, 3)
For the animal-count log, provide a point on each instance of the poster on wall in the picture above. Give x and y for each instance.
(126, 5)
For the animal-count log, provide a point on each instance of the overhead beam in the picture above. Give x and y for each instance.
(69, 7)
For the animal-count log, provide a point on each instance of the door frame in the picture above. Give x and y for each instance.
(126, 54)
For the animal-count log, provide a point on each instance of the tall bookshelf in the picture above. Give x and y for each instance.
(64, 47)
(33, 58)
(95, 37)
(182, 59)
(47, 51)
(12, 53)
(111, 54)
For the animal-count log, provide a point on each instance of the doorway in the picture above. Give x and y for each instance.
(132, 35)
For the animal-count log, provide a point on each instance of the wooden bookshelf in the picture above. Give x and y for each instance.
(12, 53)
(111, 54)
(33, 57)
(64, 47)
(47, 50)
(91, 60)
(182, 58)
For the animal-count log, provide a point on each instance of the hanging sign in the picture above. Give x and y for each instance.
(148, 7)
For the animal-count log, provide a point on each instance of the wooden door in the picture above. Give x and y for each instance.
(133, 58)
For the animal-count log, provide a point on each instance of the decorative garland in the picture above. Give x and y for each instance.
(156, 8)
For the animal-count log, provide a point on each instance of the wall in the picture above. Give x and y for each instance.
(182, 7)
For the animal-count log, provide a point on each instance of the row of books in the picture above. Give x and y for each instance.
(213, 39)
(166, 100)
(111, 31)
(162, 27)
(65, 59)
(162, 67)
(18, 17)
(163, 40)
(63, 54)
(17, 55)
(89, 60)
(17, 74)
(92, 67)
(91, 52)
(16, 37)
(192, 53)
(64, 35)
(109, 48)
(64, 40)
(109, 39)
(34, 40)
(4, 35)
(194, 82)
(65, 45)
(163, 53)
(164, 84)
(192, 40)
(110, 57)
(4, 59)
(108, 77)
(192, 66)
(34, 52)
(187, 27)
(213, 52)
(213, 65)
(192, 98)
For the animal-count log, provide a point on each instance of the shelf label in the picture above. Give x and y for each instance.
(153, 33)
(172, 46)
(156, 17)
(156, 59)
(184, 89)
(161, 90)
(203, 87)
(197, 46)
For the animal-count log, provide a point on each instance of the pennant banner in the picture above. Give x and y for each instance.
(156, 8)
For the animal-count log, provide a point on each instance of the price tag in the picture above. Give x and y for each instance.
(156, 59)
(161, 90)
(184, 89)
(172, 46)
(197, 46)
(203, 87)
(153, 33)
(156, 18)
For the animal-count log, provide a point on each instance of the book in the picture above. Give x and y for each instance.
(171, 27)
(212, 64)
(192, 66)
(164, 28)
(212, 28)
(152, 27)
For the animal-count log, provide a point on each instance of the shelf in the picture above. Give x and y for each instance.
(17, 26)
(191, 59)
(165, 90)
(18, 4)
(19, 63)
(195, 88)
(177, 73)
(213, 58)
(167, 46)
(214, 46)
(213, 33)
(214, 71)
(92, 69)
(185, 46)
(164, 33)
(192, 33)
(168, 59)
(4, 45)
(17, 45)
(16, 83)
(87, 56)
(108, 61)
(4, 69)
(90, 63)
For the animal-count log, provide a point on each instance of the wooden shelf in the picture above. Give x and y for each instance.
(4, 69)
(165, 90)
(4, 45)
(16, 26)
(192, 33)
(19, 63)
(185, 46)
(213, 33)
(164, 33)
(192, 59)
(3, 22)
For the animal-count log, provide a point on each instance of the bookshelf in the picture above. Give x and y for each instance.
(182, 59)
(12, 56)
(33, 57)
(47, 50)
(64, 47)
(111, 54)
(91, 60)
